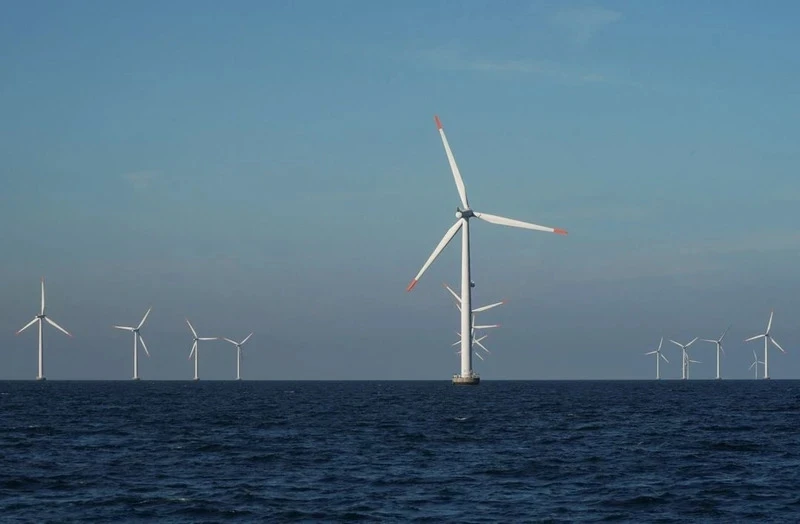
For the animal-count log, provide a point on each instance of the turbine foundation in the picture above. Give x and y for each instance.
(40, 378)
(470, 380)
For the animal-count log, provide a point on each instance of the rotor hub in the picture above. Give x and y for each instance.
(465, 214)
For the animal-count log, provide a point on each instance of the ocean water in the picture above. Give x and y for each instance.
(647, 451)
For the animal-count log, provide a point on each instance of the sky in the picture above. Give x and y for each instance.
(274, 167)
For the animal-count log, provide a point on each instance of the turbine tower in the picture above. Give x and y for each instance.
(39, 318)
(137, 337)
(685, 357)
(194, 350)
(463, 215)
(755, 364)
(718, 342)
(238, 353)
(659, 356)
(767, 339)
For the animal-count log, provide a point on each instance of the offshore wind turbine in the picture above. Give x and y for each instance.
(194, 350)
(767, 339)
(718, 342)
(137, 337)
(755, 364)
(463, 215)
(685, 357)
(659, 355)
(39, 318)
(238, 353)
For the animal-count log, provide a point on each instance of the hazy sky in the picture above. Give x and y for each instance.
(274, 167)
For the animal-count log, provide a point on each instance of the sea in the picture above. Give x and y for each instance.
(504, 451)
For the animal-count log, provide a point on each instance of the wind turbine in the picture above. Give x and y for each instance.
(718, 342)
(659, 356)
(755, 364)
(137, 337)
(39, 318)
(767, 339)
(685, 357)
(463, 214)
(238, 353)
(194, 350)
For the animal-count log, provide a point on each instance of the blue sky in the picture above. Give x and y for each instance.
(274, 167)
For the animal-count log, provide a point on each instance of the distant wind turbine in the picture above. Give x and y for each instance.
(659, 356)
(767, 339)
(238, 353)
(194, 350)
(39, 318)
(718, 342)
(685, 357)
(755, 364)
(137, 337)
(463, 215)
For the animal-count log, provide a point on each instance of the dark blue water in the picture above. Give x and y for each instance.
(400, 451)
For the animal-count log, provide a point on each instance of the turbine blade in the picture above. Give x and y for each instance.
(651, 352)
(755, 357)
(696, 361)
(455, 295)
(442, 244)
(42, 296)
(144, 346)
(462, 190)
(754, 338)
(194, 348)
(479, 355)
(692, 342)
(769, 324)
(676, 343)
(659, 344)
(484, 337)
(229, 340)
(486, 327)
(724, 333)
(190, 327)
(57, 326)
(126, 328)
(207, 338)
(708, 340)
(457, 342)
(482, 346)
(143, 319)
(751, 365)
(245, 339)
(490, 306)
(503, 221)
(776, 344)
(665, 358)
(29, 324)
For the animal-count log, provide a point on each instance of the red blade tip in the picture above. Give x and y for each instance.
(411, 285)
(438, 122)
(558, 231)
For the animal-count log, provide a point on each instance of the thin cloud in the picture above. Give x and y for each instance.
(581, 24)
(140, 179)
(451, 58)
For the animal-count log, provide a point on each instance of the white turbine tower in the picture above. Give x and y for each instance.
(137, 337)
(39, 318)
(659, 356)
(755, 364)
(718, 342)
(463, 215)
(685, 357)
(194, 350)
(238, 353)
(767, 339)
